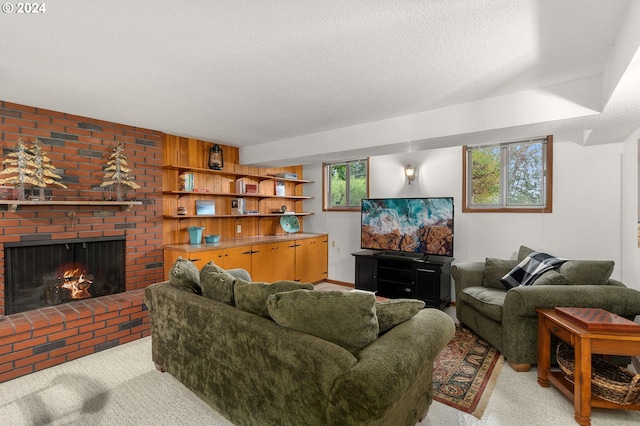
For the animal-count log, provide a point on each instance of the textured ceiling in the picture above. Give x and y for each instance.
(302, 80)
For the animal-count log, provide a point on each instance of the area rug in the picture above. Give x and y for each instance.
(465, 372)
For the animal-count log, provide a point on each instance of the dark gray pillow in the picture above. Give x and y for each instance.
(252, 296)
(217, 284)
(551, 277)
(345, 318)
(185, 276)
(395, 311)
(587, 272)
(495, 269)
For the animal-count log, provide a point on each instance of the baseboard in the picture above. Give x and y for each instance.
(343, 283)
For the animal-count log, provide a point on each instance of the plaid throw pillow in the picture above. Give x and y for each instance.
(531, 267)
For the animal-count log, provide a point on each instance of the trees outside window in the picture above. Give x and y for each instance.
(509, 177)
(346, 184)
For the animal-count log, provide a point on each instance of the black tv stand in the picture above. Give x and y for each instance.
(395, 275)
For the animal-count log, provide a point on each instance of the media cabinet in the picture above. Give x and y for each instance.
(405, 276)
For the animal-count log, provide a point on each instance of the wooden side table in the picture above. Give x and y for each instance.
(585, 342)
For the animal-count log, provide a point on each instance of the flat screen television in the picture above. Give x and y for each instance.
(418, 226)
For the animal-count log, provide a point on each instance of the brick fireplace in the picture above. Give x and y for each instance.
(79, 148)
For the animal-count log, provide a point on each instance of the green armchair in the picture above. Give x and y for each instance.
(507, 319)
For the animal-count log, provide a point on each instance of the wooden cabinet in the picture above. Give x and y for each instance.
(273, 262)
(229, 258)
(405, 277)
(312, 259)
(254, 241)
(298, 257)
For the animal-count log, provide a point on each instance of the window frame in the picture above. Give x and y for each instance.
(326, 185)
(548, 181)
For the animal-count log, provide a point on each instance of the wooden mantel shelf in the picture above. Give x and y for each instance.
(12, 205)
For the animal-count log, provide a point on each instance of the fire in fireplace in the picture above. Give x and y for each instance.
(45, 273)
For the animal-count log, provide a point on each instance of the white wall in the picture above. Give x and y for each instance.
(586, 222)
(630, 222)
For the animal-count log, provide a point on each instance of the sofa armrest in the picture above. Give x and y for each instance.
(469, 274)
(520, 320)
(523, 301)
(394, 374)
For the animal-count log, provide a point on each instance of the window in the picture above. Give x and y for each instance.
(346, 184)
(508, 177)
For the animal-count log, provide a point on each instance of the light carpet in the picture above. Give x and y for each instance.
(465, 372)
(120, 386)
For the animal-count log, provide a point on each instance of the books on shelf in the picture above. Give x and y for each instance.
(237, 206)
(251, 188)
(280, 188)
(240, 187)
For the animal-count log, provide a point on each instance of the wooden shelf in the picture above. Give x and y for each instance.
(12, 205)
(199, 216)
(234, 195)
(185, 169)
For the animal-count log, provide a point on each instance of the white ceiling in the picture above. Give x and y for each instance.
(297, 81)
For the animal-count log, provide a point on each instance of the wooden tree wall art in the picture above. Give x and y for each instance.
(117, 173)
(29, 166)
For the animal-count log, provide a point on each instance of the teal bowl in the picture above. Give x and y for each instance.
(212, 238)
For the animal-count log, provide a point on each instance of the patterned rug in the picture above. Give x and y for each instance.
(465, 372)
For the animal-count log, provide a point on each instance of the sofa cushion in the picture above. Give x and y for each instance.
(394, 311)
(551, 277)
(587, 272)
(217, 284)
(252, 296)
(487, 301)
(530, 269)
(494, 270)
(345, 318)
(185, 276)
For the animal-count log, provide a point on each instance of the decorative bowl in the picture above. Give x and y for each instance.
(290, 224)
(212, 238)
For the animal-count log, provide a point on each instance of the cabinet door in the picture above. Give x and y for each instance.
(366, 273)
(428, 284)
(229, 258)
(311, 259)
(273, 262)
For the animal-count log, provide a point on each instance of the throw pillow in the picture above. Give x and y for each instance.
(345, 318)
(395, 311)
(494, 270)
(587, 272)
(252, 296)
(551, 277)
(185, 275)
(217, 284)
(523, 252)
(530, 269)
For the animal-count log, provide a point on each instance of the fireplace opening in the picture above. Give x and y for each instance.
(47, 273)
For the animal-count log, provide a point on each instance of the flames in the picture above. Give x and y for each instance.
(77, 282)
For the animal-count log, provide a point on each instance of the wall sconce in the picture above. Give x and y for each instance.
(216, 160)
(410, 172)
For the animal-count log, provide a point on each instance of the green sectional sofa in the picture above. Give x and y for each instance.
(507, 318)
(255, 371)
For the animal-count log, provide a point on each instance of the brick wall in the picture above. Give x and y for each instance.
(79, 148)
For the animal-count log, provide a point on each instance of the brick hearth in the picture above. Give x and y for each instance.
(42, 338)
(79, 148)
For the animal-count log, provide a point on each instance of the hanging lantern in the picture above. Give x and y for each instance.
(216, 160)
